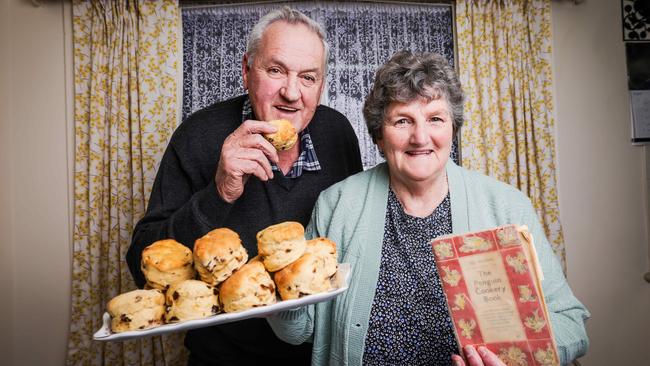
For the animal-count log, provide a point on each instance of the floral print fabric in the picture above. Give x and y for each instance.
(504, 61)
(126, 64)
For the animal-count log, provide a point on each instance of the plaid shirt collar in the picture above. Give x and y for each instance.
(307, 160)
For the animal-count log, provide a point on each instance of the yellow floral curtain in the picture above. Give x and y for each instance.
(125, 82)
(504, 53)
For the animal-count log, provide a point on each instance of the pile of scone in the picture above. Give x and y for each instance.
(228, 281)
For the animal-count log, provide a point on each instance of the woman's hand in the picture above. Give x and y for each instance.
(482, 357)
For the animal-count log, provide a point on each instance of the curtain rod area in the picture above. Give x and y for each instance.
(209, 3)
(200, 4)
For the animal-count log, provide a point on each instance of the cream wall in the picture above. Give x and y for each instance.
(35, 223)
(601, 182)
(6, 244)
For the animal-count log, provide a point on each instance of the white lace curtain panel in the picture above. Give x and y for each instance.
(362, 36)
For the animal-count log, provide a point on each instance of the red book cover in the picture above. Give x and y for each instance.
(491, 280)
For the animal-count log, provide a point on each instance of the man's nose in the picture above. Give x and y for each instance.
(291, 90)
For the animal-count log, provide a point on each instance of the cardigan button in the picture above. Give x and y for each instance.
(358, 325)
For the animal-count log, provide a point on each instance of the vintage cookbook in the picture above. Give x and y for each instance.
(492, 281)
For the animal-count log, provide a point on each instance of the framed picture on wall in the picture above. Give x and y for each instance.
(638, 83)
(636, 20)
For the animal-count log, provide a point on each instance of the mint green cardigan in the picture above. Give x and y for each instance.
(352, 214)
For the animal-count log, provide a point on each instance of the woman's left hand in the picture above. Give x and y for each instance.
(482, 357)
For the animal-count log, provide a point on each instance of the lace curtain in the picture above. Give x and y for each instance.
(362, 36)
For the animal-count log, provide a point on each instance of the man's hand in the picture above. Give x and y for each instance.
(245, 152)
(482, 357)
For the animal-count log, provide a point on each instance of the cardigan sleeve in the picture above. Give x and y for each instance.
(294, 326)
(567, 314)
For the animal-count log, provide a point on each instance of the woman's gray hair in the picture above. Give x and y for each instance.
(291, 16)
(408, 76)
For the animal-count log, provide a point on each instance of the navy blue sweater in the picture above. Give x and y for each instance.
(184, 205)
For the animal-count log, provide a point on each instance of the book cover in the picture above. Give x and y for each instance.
(492, 282)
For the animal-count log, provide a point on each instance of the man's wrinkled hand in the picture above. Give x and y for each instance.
(245, 152)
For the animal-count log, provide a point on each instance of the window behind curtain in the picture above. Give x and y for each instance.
(362, 36)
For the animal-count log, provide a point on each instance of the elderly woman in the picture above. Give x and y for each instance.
(383, 219)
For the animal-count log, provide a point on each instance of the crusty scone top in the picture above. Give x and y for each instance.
(166, 255)
(220, 243)
(288, 230)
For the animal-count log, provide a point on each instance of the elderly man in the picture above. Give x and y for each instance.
(219, 171)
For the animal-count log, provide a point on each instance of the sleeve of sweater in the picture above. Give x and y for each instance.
(176, 210)
(297, 326)
(566, 313)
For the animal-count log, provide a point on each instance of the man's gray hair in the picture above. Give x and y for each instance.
(408, 76)
(291, 16)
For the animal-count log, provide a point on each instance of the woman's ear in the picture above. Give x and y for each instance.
(380, 146)
(380, 143)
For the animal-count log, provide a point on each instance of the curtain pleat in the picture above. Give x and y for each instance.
(504, 58)
(125, 70)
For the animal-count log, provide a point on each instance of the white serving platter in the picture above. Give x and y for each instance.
(341, 282)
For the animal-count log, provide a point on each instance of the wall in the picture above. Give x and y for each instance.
(601, 182)
(6, 243)
(36, 247)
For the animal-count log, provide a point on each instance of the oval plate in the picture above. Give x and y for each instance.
(341, 283)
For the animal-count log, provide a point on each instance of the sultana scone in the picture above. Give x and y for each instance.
(280, 244)
(286, 136)
(191, 299)
(251, 286)
(166, 262)
(135, 310)
(306, 276)
(326, 250)
(218, 254)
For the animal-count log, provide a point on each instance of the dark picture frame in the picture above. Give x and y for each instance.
(636, 20)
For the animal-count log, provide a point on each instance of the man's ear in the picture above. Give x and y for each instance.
(244, 70)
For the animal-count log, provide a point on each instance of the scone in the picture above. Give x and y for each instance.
(166, 262)
(191, 299)
(137, 309)
(281, 244)
(325, 249)
(251, 286)
(218, 254)
(306, 276)
(286, 136)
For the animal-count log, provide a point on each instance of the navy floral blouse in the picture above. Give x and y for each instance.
(409, 321)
